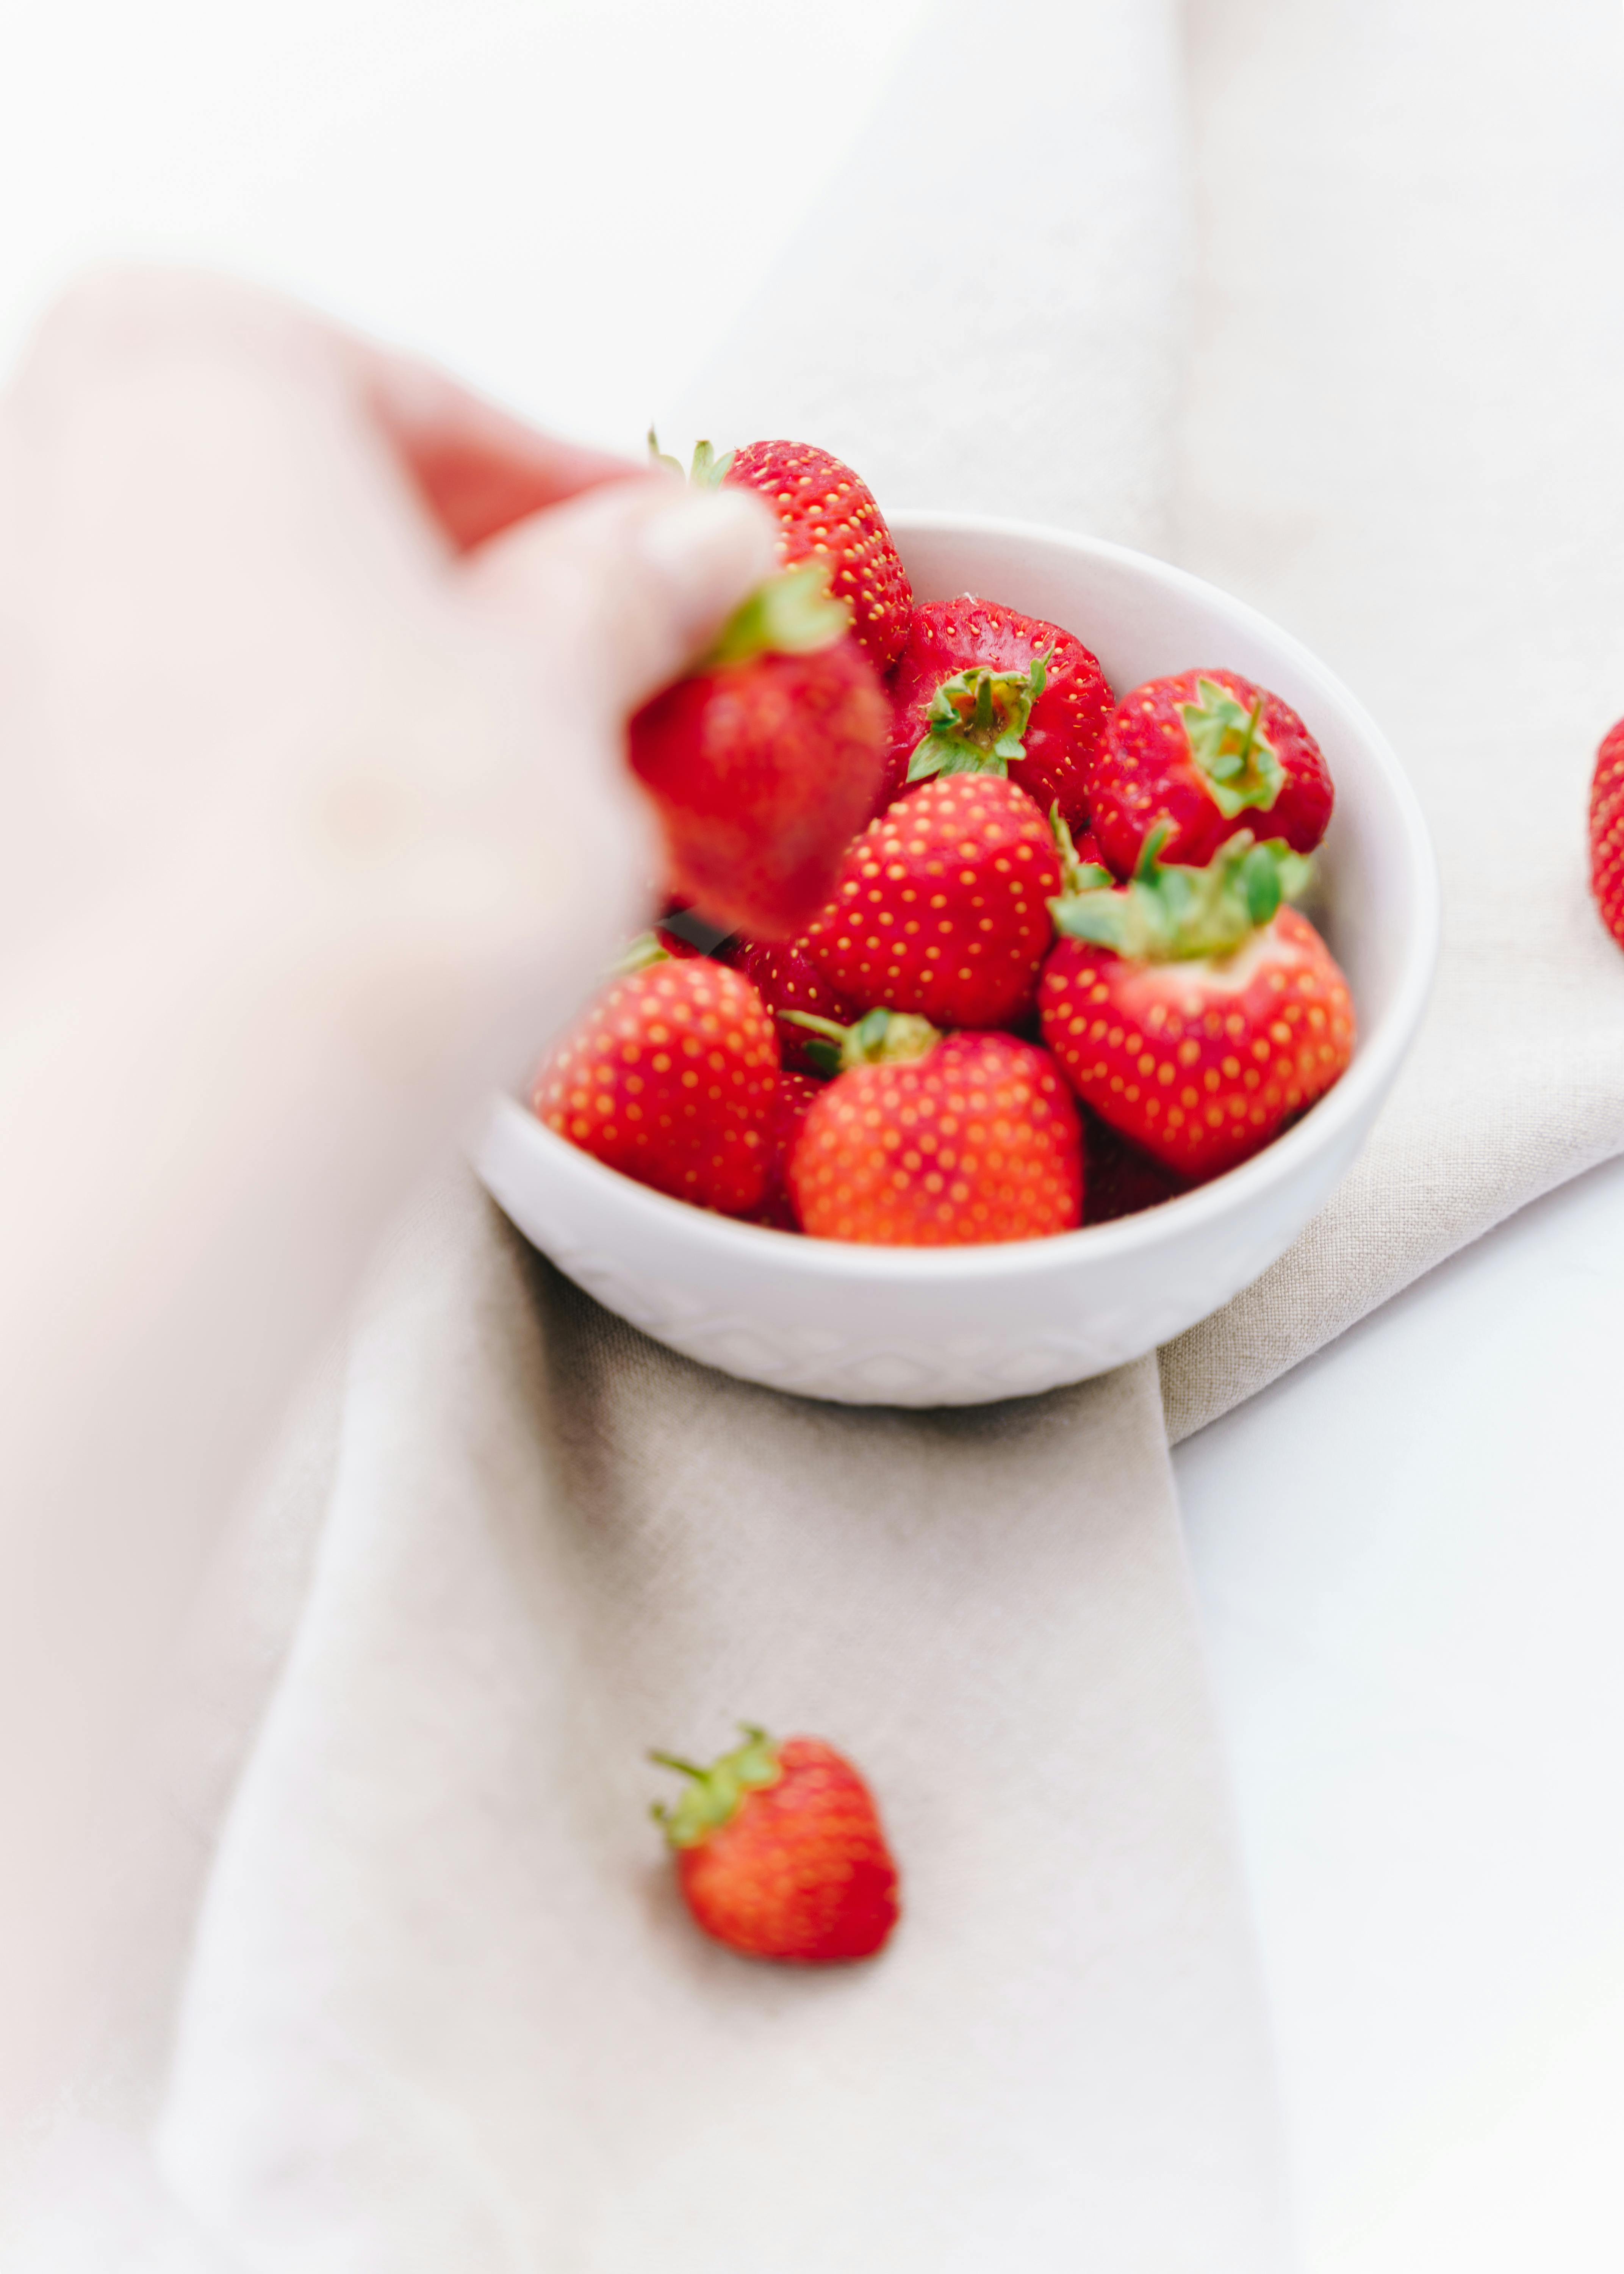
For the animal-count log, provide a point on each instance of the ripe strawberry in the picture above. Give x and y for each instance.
(937, 1142)
(828, 513)
(825, 511)
(980, 689)
(1192, 1010)
(941, 906)
(1607, 831)
(1207, 752)
(1118, 1179)
(670, 1077)
(786, 977)
(766, 759)
(780, 1852)
(793, 1099)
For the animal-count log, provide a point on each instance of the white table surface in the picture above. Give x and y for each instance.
(1407, 1553)
(1411, 1562)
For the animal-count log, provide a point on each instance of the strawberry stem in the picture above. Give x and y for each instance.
(1228, 747)
(878, 1038)
(977, 720)
(1170, 914)
(714, 1794)
(792, 613)
(707, 471)
(638, 955)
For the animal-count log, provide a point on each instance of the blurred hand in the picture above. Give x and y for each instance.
(313, 674)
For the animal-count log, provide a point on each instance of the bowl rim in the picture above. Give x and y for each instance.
(1376, 1060)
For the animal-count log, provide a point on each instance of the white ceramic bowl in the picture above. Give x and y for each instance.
(877, 1326)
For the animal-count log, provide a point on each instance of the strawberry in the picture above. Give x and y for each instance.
(1118, 1179)
(1607, 831)
(765, 759)
(1192, 1010)
(780, 1852)
(787, 978)
(670, 1077)
(1206, 753)
(940, 907)
(929, 1141)
(980, 689)
(828, 513)
(792, 1100)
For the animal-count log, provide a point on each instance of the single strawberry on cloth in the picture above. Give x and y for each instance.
(446, 2008)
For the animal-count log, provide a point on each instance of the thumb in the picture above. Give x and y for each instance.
(623, 586)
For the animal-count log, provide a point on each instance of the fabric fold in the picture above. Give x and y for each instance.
(445, 2008)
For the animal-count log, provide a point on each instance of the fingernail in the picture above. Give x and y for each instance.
(710, 548)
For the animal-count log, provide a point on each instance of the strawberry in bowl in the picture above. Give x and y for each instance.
(1194, 1010)
(1091, 1229)
(982, 689)
(1203, 755)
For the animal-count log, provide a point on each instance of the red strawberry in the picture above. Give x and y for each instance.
(780, 1852)
(1214, 1015)
(787, 979)
(941, 904)
(979, 689)
(928, 1142)
(670, 1077)
(1208, 753)
(1607, 833)
(766, 759)
(793, 1099)
(826, 512)
(1118, 1179)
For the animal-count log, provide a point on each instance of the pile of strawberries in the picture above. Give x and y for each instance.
(956, 946)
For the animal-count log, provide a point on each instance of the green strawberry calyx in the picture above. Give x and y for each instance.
(792, 613)
(1230, 748)
(708, 471)
(1080, 876)
(713, 1797)
(1170, 914)
(878, 1038)
(638, 955)
(977, 720)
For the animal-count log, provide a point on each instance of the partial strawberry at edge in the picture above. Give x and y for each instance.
(826, 510)
(980, 688)
(787, 977)
(796, 1097)
(1607, 831)
(1209, 754)
(764, 760)
(1119, 1180)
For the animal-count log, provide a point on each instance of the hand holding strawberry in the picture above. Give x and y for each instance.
(765, 759)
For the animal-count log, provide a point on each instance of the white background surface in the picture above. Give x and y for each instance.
(1408, 1553)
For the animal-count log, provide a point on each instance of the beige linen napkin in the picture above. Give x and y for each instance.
(445, 2008)
(1405, 439)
